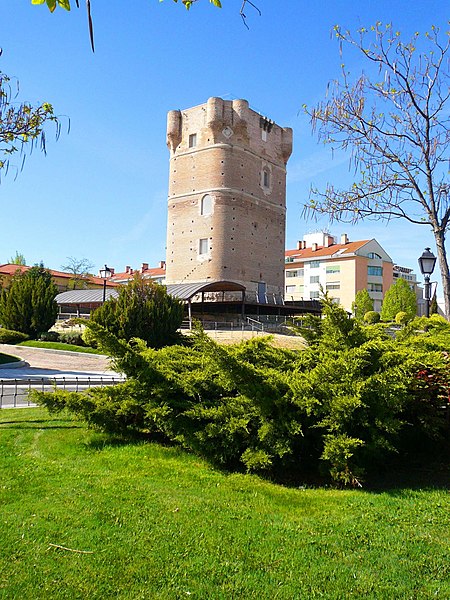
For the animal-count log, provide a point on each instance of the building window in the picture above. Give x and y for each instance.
(288, 259)
(266, 177)
(290, 289)
(264, 135)
(375, 287)
(314, 264)
(192, 140)
(333, 269)
(295, 273)
(314, 279)
(313, 295)
(203, 246)
(377, 271)
(374, 255)
(333, 286)
(206, 205)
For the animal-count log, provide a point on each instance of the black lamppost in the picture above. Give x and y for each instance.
(426, 264)
(105, 274)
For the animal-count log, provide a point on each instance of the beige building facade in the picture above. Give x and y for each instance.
(227, 196)
(341, 268)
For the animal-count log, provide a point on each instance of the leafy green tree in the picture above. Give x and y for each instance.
(394, 118)
(29, 305)
(143, 310)
(399, 298)
(22, 126)
(18, 259)
(362, 304)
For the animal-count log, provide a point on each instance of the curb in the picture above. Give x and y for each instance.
(18, 364)
(61, 352)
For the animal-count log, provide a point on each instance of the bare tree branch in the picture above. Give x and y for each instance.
(394, 119)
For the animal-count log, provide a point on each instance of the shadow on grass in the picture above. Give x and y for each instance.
(100, 440)
(418, 475)
(42, 423)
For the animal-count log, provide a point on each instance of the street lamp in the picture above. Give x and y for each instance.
(426, 264)
(105, 274)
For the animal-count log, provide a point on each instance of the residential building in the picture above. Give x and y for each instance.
(341, 268)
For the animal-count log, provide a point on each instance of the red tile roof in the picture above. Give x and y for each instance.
(10, 269)
(309, 253)
(155, 272)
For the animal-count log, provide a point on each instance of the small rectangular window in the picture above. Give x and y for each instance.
(290, 289)
(313, 295)
(192, 140)
(333, 286)
(314, 279)
(264, 135)
(333, 269)
(314, 264)
(203, 246)
(377, 271)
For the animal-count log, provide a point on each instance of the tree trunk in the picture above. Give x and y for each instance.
(439, 236)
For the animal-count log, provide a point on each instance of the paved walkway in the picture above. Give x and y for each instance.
(54, 363)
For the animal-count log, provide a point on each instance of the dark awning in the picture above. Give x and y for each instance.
(185, 291)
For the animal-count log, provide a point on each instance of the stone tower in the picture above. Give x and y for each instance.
(227, 196)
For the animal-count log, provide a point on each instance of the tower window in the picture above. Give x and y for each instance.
(192, 140)
(203, 246)
(266, 177)
(206, 205)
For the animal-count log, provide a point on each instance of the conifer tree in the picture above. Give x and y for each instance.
(29, 305)
(362, 304)
(399, 298)
(143, 310)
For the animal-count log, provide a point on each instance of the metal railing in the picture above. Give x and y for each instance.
(14, 392)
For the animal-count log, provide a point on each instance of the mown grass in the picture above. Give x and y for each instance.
(7, 358)
(59, 346)
(159, 523)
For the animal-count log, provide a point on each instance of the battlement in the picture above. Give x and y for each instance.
(230, 122)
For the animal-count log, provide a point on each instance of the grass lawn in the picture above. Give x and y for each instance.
(59, 346)
(7, 358)
(155, 523)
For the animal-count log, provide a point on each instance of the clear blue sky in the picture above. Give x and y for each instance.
(100, 192)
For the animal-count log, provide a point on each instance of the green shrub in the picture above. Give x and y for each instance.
(402, 318)
(72, 337)
(8, 336)
(89, 338)
(371, 317)
(49, 336)
(343, 404)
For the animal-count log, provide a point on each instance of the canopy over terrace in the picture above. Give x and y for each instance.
(219, 289)
(82, 302)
